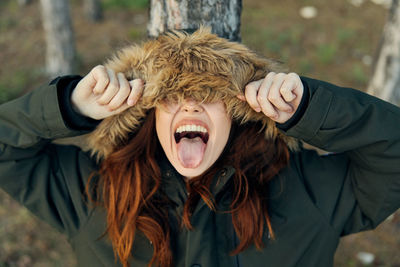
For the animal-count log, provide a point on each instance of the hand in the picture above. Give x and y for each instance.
(277, 95)
(103, 93)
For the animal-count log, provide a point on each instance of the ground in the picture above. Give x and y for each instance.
(338, 45)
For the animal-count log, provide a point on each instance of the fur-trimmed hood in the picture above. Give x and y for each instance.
(177, 65)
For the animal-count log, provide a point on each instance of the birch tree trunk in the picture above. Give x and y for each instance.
(385, 81)
(223, 16)
(60, 54)
(93, 10)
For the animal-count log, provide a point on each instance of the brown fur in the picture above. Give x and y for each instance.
(175, 66)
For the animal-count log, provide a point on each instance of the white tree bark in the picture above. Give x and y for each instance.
(60, 54)
(93, 10)
(385, 81)
(223, 16)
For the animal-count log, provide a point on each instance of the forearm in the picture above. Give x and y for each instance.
(43, 176)
(367, 130)
(31, 121)
(341, 119)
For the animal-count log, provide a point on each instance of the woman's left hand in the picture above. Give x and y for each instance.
(278, 95)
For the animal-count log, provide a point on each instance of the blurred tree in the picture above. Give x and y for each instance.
(24, 2)
(60, 54)
(385, 81)
(222, 16)
(93, 10)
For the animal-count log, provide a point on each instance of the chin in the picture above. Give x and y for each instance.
(190, 172)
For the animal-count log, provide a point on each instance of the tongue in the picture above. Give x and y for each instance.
(191, 152)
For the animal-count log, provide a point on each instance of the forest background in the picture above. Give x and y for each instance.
(335, 41)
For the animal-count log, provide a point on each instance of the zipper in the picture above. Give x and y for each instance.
(235, 244)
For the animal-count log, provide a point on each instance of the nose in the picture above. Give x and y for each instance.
(191, 106)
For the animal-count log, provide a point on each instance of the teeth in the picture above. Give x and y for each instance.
(191, 128)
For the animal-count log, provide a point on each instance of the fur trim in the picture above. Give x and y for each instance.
(175, 66)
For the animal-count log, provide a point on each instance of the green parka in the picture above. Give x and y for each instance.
(313, 202)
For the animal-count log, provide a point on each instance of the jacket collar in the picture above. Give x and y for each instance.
(174, 184)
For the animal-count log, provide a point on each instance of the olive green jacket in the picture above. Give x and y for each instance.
(313, 202)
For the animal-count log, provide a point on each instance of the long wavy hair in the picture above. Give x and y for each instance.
(129, 188)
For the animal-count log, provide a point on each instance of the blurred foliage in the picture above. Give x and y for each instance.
(330, 46)
(18, 80)
(137, 33)
(358, 73)
(132, 4)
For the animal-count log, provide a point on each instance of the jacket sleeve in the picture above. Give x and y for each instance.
(48, 179)
(357, 186)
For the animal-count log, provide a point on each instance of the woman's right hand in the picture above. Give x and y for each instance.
(103, 93)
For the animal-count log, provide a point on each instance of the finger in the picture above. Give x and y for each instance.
(111, 90)
(123, 92)
(121, 108)
(241, 97)
(274, 95)
(287, 89)
(298, 85)
(266, 107)
(250, 93)
(101, 79)
(137, 86)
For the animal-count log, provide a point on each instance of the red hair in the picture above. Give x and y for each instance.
(130, 181)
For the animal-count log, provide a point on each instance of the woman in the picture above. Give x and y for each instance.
(200, 166)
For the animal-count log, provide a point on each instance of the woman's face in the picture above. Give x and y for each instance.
(193, 135)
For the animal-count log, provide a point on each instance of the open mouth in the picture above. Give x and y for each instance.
(191, 132)
(191, 141)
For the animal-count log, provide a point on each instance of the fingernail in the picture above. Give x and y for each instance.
(258, 109)
(130, 102)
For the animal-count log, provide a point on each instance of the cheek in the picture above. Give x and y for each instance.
(226, 121)
(162, 125)
(223, 127)
(223, 120)
(226, 124)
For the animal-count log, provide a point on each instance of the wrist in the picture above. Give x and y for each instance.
(73, 118)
